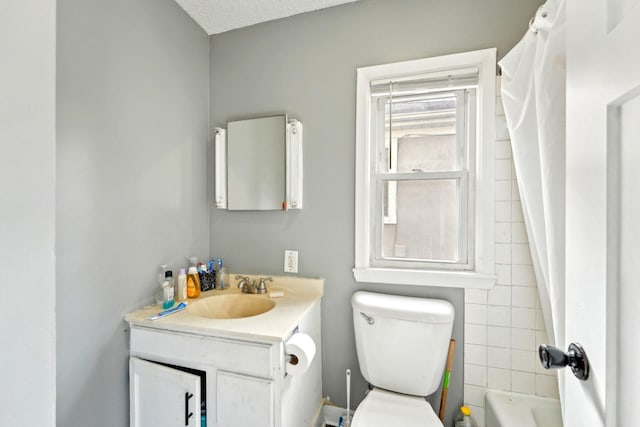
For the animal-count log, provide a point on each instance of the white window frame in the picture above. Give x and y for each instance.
(481, 274)
(392, 177)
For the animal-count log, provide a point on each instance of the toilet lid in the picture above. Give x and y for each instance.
(382, 408)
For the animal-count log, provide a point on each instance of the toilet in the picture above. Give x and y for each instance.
(402, 344)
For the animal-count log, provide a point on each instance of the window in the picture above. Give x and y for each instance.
(424, 172)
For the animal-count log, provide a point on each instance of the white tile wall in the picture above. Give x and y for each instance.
(499, 357)
(504, 325)
(499, 316)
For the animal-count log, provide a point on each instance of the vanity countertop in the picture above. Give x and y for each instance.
(300, 294)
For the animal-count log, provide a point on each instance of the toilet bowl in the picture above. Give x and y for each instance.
(386, 408)
(402, 344)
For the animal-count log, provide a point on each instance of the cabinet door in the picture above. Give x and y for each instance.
(161, 396)
(243, 401)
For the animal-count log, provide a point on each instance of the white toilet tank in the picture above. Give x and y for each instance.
(402, 342)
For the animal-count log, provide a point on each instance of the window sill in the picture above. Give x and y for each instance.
(447, 279)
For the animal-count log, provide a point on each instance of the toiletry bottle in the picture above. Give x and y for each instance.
(463, 419)
(221, 276)
(168, 290)
(160, 280)
(193, 283)
(182, 286)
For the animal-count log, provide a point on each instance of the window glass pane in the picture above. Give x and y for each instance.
(426, 153)
(425, 223)
(423, 135)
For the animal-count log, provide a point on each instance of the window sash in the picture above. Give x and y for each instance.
(465, 146)
(465, 120)
(464, 259)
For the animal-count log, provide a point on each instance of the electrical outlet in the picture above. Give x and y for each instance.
(290, 261)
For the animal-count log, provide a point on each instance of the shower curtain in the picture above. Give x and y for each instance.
(533, 94)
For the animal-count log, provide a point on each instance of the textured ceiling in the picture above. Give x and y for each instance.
(218, 16)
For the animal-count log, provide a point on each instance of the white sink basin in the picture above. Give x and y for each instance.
(231, 306)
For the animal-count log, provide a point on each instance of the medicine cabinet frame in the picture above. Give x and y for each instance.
(293, 184)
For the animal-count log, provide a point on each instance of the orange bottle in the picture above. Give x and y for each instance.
(193, 283)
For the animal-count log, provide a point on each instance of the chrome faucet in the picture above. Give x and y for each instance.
(244, 284)
(251, 287)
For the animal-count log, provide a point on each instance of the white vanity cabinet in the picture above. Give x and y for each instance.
(240, 378)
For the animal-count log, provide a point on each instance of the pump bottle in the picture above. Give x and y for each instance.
(193, 283)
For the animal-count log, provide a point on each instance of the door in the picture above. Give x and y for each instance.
(603, 209)
(161, 396)
(244, 401)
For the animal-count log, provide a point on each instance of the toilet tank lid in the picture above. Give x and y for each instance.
(403, 307)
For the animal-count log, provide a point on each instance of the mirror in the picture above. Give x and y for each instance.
(256, 163)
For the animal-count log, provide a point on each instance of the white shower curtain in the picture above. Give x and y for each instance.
(533, 93)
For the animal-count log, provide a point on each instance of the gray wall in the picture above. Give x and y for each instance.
(306, 66)
(27, 208)
(131, 193)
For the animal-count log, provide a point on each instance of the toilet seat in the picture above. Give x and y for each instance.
(382, 408)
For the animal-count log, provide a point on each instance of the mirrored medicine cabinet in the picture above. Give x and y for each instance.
(258, 164)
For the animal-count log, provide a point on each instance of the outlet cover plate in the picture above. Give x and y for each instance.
(290, 261)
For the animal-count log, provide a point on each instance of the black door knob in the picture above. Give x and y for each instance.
(552, 357)
(576, 358)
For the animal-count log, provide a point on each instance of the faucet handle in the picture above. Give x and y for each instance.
(262, 286)
(242, 280)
